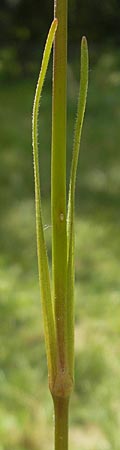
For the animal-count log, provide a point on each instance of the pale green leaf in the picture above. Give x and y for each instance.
(44, 277)
(70, 217)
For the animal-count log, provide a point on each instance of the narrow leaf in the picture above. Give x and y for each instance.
(70, 217)
(44, 277)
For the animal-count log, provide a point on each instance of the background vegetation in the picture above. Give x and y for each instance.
(26, 420)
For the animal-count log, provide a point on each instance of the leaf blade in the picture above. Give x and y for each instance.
(43, 268)
(70, 215)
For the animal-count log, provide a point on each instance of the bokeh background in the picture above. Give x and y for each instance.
(26, 412)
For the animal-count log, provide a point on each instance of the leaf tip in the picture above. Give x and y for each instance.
(84, 50)
(84, 41)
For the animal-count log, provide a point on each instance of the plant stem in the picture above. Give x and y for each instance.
(61, 408)
(58, 180)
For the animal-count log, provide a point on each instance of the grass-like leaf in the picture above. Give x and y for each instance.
(70, 217)
(44, 277)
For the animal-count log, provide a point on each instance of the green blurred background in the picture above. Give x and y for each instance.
(26, 412)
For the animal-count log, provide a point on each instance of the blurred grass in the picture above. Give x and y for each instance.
(25, 404)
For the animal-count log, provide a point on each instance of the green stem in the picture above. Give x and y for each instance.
(58, 180)
(61, 407)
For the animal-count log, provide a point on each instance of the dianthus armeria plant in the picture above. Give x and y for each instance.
(57, 295)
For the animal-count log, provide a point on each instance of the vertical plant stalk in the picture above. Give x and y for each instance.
(58, 306)
(63, 383)
(58, 182)
(61, 407)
